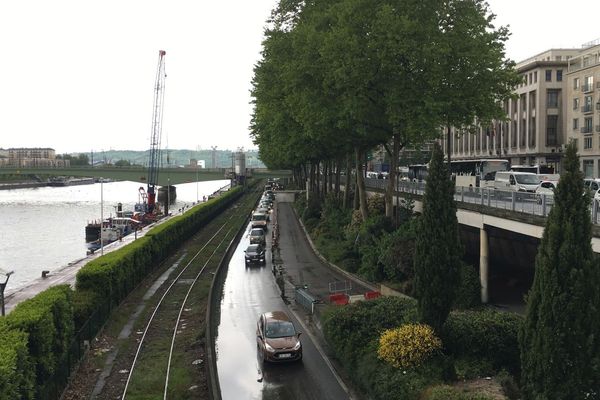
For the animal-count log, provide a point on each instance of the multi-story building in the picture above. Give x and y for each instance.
(32, 157)
(583, 111)
(535, 129)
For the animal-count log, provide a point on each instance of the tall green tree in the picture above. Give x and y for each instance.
(475, 76)
(560, 338)
(437, 249)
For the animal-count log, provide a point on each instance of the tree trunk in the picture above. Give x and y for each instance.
(448, 144)
(325, 178)
(337, 176)
(391, 186)
(360, 185)
(348, 181)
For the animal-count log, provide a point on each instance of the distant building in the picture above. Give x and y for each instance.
(31, 157)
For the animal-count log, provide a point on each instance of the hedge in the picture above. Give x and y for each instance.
(17, 378)
(47, 319)
(486, 334)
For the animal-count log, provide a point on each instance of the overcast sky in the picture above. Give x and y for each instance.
(79, 75)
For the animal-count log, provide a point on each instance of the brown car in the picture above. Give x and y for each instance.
(277, 339)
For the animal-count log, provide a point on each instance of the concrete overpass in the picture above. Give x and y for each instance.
(476, 212)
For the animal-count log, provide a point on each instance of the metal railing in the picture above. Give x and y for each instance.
(305, 299)
(524, 202)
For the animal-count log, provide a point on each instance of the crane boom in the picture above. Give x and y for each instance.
(155, 136)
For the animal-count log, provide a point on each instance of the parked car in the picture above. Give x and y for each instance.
(277, 339)
(255, 254)
(264, 210)
(259, 220)
(257, 235)
(546, 188)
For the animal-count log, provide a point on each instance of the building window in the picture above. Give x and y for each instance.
(534, 76)
(552, 98)
(587, 104)
(587, 143)
(588, 168)
(558, 58)
(587, 125)
(559, 75)
(552, 130)
(576, 83)
(548, 75)
(588, 84)
(576, 103)
(575, 123)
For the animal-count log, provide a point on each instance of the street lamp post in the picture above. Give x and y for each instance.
(3, 286)
(101, 215)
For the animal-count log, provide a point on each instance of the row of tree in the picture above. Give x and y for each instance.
(339, 77)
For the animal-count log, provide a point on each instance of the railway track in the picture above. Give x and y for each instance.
(166, 352)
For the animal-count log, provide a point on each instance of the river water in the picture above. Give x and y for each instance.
(44, 228)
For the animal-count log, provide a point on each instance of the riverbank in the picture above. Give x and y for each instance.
(52, 182)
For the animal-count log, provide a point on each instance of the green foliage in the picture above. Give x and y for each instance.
(484, 335)
(445, 392)
(560, 339)
(369, 235)
(348, 329)
(472, 368)
(437, 249)
(376, 205)
(468, 292)
(396, 253)
(313, 209)
(47, 319)
(17, 378)
(509, 386)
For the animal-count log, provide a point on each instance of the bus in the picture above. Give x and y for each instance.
(468, 173)
(535, 169)
(477, 173)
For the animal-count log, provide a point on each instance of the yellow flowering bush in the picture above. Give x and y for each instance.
(408, 345)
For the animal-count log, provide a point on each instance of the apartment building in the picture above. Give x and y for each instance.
(583, 112)
(536, 126)
(32, 157)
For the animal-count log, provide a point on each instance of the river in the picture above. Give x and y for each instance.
(44, 228)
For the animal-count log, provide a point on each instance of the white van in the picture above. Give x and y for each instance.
(516, 181)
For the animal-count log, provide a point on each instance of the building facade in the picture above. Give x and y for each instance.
(583, 111)
(32, 157)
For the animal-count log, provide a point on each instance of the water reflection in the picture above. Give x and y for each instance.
(44, 228)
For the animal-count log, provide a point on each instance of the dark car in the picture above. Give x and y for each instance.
(255, 254)
(277, 339)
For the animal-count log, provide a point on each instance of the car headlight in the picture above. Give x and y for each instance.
(298, 345)
(522, 189)
(268, 347)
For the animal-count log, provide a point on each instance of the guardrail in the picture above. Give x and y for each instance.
(525, 202)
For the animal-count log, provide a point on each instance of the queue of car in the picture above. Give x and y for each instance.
(277, 339)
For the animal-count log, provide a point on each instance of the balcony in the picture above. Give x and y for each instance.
(587, 108)
(585, 88)
(585, 129)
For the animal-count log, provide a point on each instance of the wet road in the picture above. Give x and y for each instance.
(247, 293)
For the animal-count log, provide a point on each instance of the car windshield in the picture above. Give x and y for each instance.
(279, 329)
(253, 248)
(259, 217)
(527, 179)
(257, 232)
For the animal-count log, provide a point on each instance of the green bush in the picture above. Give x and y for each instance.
(484, 334)
(17, 378)
(348, 329)
(445, 392)
(396, 253)
(468, 293)
(47, 319)
(472, 368)
(313, 208)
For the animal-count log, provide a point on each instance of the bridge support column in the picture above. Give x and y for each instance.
(484, 264)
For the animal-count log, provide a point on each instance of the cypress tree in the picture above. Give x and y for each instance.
(437, 247)
(560, 337)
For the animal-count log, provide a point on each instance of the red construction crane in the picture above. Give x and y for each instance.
(155, 159)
